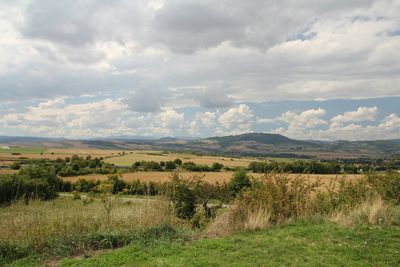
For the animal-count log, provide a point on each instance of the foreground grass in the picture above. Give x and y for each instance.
(65, 227)
(300, 244)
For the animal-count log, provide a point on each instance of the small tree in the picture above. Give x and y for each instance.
(110, 201)
(182, 197)
(216, 167)
(170, 165)
(239, 180)
(15, 165)
(178, 162)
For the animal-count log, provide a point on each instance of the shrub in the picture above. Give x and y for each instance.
(216, 167)
(239, 181)
(15, 165)
(170, 165)
(182, 197)
(386, 185)
(178, 162)
(30, 183)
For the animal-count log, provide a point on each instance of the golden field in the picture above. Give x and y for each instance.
(212, 177)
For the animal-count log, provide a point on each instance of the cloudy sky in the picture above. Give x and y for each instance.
(306, 69)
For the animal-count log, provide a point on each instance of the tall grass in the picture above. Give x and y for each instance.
(276, 199)
(374, 211)
(67, 227)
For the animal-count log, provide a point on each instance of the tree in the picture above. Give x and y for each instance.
(170, 165)
(15, 165)
(216, 167)
(182, 197)
(178, 162)
(239, 180)
(110, 201)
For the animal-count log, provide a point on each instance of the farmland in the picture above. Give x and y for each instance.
(122, 158)
(63, 202)
(211, 177)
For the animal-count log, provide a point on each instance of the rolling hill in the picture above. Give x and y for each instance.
(249, 144)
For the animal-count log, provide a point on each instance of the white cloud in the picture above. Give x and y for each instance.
(56, 118)
(207, 119)
(299, 122)
(169, 120)
(343, 126)
(361, 114)
(236, 120)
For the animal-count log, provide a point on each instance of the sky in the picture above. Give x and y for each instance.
(324, 70)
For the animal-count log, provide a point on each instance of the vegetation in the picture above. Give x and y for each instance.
(31, 183)
(94, 214)
(298, 166)
(65, 227)
(300, 244)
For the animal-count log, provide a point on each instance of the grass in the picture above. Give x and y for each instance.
(301, 244)
(65, 226)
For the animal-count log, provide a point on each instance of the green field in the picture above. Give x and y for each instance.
(301, 244)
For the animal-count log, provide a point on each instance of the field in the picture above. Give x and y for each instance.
(212, 177)
(272, 222)
(14, 153)
(301, 244)
(21, 150)
(123, 158)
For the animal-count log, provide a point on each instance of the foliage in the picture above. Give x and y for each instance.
(298, 166)
(29, 183)
(191, 195)
(239, 181)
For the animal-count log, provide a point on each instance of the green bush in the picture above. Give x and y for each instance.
(182, 197)
(30, 183)
(386, 185)
(15, 165)
(239, 181)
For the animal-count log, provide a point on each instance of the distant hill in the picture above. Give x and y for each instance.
(249, 144)
(262, 138)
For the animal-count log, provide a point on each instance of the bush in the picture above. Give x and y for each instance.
(216, 167)
(15, 165)
(170, 165)
(239, 181)
(182, 197)
(386, 185)
(30, 183)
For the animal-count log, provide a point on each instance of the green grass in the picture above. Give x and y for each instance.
(302, 244)
(23, 150)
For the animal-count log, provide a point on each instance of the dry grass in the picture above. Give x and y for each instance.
(238, 219)
(59, 219)
(374, 211)
(7, 171)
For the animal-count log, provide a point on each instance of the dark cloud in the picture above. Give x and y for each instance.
(146, 99)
